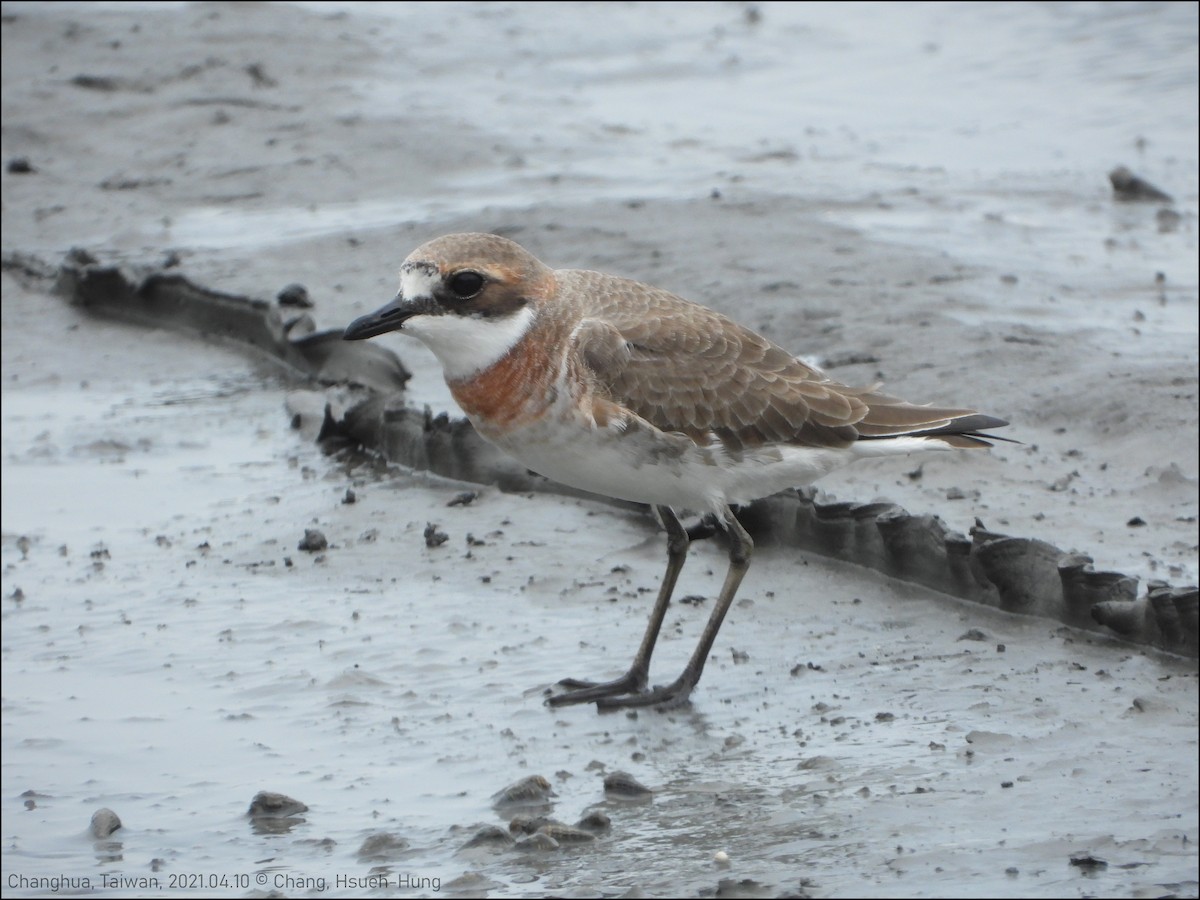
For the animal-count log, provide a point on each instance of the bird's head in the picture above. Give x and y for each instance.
(469, 297)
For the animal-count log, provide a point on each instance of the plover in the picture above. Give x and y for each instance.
(627, 390)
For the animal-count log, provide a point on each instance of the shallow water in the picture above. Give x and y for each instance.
(394, 688)
(998, 122)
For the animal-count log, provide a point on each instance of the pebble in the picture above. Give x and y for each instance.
(269, 805)
(625, 785)
(313, 541)
(104, 822)
(532, 791)
(294, 295)
(381, 847)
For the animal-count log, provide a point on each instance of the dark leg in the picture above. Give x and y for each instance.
(639, 673)
(677, 692)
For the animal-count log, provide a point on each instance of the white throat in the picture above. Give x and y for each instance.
(465, 345)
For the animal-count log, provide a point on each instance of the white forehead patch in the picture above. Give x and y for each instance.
(419, 280)
(465, 345)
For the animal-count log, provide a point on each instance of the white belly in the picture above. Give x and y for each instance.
(647, 466)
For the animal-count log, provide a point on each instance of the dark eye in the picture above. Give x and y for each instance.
(465, 285)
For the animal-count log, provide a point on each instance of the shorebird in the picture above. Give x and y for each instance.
(629, 391)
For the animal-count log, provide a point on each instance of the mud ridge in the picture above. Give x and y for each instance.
(158, 297)
(1015, 574)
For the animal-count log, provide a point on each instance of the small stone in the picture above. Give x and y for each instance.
(540, 843)
(313, 541)
(532, 791)
(1168, 220)
(595, 821)
(471, 884)
(381, 847)
(1127, 186)
(529, 824)
(490, 836)
(566, 834)
(294, 295)
(269, 805)
(434, 537)
(104, 823)
(623, 784)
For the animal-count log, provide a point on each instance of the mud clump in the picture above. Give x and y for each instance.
(434, 536)
(595, 821)
(104, 822)
(489, 836)
(1130, 187)
(529, 824)
(560, 831)
(538, 843)
(313, 541)
(532, 791)
(1088, 863)
(566, 834)
(269, 805)
(295, 295)
(381, 847)
(622, 784)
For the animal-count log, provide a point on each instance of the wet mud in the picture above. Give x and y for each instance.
(1016, 574)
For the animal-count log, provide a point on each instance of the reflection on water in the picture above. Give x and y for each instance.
(982, 130)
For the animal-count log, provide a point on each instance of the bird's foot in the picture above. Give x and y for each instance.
(586, 691)
(666, 697)
(628, 691)
(663, 697)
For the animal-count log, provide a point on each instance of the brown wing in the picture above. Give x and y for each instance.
(687, 369)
